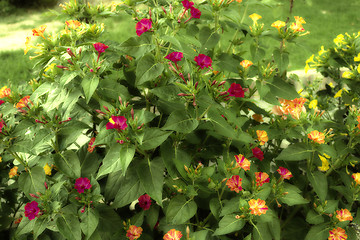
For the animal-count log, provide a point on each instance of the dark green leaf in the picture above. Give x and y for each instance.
(148, 69)
(32, 181)
(180, 122)
(69, 226)
(153, 137)
(229, 224)
(68, 163)
(319, 182)
(89, 222)
(89, 86)
(180, 210)
(314, 218)
(295, 152)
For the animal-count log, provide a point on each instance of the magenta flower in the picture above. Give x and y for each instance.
(81, 184)
(195, 13)
(175, 56)
(284, 173)
(144, 201)
(32, 210)
(203, 61)
(187, 4)
(2, 125)
(2, 102)
(117, 122)
(258, 153)
(100, 48)
(142, 26)
(236, 90)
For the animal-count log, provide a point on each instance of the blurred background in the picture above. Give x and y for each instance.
(325, 20)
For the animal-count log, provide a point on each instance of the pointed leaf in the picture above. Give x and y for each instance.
(69, 226)
(68, 163)
(180, 210)
(319, 182)
(148, 69)
(89, 221)
(295, 152)
(229, 224)
(32, 181)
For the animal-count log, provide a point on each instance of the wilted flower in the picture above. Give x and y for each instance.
(47, 169)
(246, 63)
(13, 172)
(142, 26)
(343, 215)
(261, 178)
(90, 146)
(257, 153)
(175, 56)
(356, 177)
(234, 183)
(100, 48)
(257, 207)
(337, 234)
(317, 136)
(258, 117)
(134, 232)
(173, 235)
(203, 61)
(284, 173)
(39, 31)
(32, 210)
(117, 122)
(262, 136)
(236, 90)
(144, 201)
(242, 162)
(73, 24)
(23, 102)
(81, 184)
(5, 92)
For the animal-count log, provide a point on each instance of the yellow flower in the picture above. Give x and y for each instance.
(325, 164)
(331, 85)
(27, 45)
(262, 136)
(339, 40)
(356, 177)
(278, 24)
(47, 169)
(13, 172)
(317, 136)
(337, 234)
(5, 92)
(73, 24)
(255, 17)
(313, 104)
(348, 75)
(343, 215)
(299, 20)
(322, 51)
(246, 63)
(338, 94)
(309, 60)
(297, 27)
(257, 207)
(358, 68)
(39, 31)
(0, 159)
(357, 58)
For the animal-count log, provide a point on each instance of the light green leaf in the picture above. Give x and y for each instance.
(181, 122)
(68, 163)
(148, 69)
(89, 86)
(295, 152)
(32, 181)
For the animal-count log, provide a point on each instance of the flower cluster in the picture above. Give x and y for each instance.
(293, 107)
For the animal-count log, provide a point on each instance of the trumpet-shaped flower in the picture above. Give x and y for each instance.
(299, 20)
(262, 136)
(313, 104)
(187, 4)
(13, 172)
(142, 26)
(258, 153)
(144, 201)
(242, 162)
(203, 61)
(246, 63)
(337, 234)
(173, 234)
(175, 56)
(343, 215)
(91, 146)
(117, 122)
(31, 210)
(255, 17)
(81, 184)
(195, 13)
(39, 31)
(324, 164)
(100, 48)
(278, 24)
(234, 183)
(5, 92)
(339, 40)
(261, 178)
(347, 75)
(356, 177)
(284, 173)
(134, 232)
(257, 207)
(236, 90)
(73, 24)
(317, 136)
(23, 102)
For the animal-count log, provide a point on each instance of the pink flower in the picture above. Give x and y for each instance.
(203, 61)
(195, 13)
(142, 26)
(175, 56)
(117, 122)
(261, 178)
(90, 146)
(2, 102)
(173, 234)
(236, 90)
(32, 210)
(187, 4)
(284, 173)
(2, 125)
(100, 48)
(258, 153)
(81, 184)
(234, 183)
(242, 162)
(144, 201)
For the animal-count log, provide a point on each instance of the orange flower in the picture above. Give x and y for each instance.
(278, 24)
(242, 162)
(27, 45)
(246, 63)
(257, 207)
(23, 102)
(343, 215)
(261, 178)
(337, 234)
(13, 172)
(17, 221)
(297, 27)
(172, 235)
(284, 173)
(134, 232)
(257, 117)
(299, 20)
(234, 183)
(39, 31)
(262, 136)
(293, 107)
(5, 92)
(356, 177)
(73, 24)
(90, 146)
(317, 136)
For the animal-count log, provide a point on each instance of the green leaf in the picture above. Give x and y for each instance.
(89, 222)
(281, 59)
(40, 226)
(215, 207)
(331, 206)
(152, 215)
(295, 152)
(69, 226)
(208, 38)
(147, 69)
(180, 210)
(319, 182)
(292, 197)
(262, 231)
(201, 235)
(89, 86)
(314, 218)
(68, 163)
(118, 158)
(32, 181)
(318, 232)
(67, 77)
(151, 175)
(181, 122)
(153, 137)
(282, 89)
(25, 226)
(137, 47)
(229, 224)
(70, 133)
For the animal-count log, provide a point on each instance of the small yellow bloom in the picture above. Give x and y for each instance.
(297, 27)
(331, 85)
(39, 31)
(313, 104)
(262, 136)
(73, 24)
(5, 92)
(357, 58)
(309, 60)
(13, 172)
(239, 1)
(348, 75)
(278, 24)
(322, 51)
(246, 63)
(358, 68)
(339, 40)
(47, 169)
(299, 20)
(255, 17)
(0, 159)
(27, 45)
(338, 94)
(325, 164)
(356, 177)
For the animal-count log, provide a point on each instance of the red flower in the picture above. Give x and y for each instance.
(172, 235)
(90, 146)
(134, 232)
(187, 4)
(261, 178)
(236, 90)
(242, 162)
(175, 56)
(2, 125)
(23, 102)
(32, 210)
(234, 183)
(2, 102)
(285, 173)
(81, 184)
(100, 48)
(142, 26)
(195, 13)
(258, 153)
(144, 201)
(117, 122)
(203, 61)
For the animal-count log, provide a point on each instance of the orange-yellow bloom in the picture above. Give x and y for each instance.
(39, 31)
(255, 17)
(23, 102)
(13, 172)
(317, 136)
(284, 173)
(257, 207)
(246, 63)
(47, 169)
(293, 107)
(261, 178)
(299, 20)
(278, 24)
(234, 183)
(297, 27)
(27, 45)
(262, 136)
(324, 164)
(356, 177)
(5, 92)
(134, 232)
(73, 24)
(173, 235)
(242, 162)
(343, 215)
(337, 234)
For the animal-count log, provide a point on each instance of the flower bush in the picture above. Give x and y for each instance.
(177, 133)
